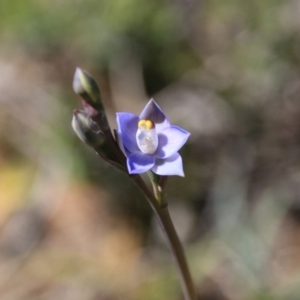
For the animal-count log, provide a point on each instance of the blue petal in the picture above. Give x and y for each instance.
(154, 113)
(170, 140)
(127, 125)
(120, 143)
(139, 163)
(169, 166)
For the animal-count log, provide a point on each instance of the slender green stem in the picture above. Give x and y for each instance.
(178, 253)
(165, 221)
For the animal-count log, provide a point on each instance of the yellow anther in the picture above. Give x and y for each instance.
(148, 124)
(141, 123)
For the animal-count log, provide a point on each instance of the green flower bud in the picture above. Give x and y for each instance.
(86, 129)
(85, 86)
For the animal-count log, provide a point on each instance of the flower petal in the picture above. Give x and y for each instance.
(120, 143)
(170, 140)
(154, 113)
(127, 126)
(139, 162)
(169, 166)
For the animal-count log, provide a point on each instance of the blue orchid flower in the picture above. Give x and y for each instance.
(150, 142)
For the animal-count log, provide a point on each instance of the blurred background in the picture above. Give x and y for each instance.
(72, 227)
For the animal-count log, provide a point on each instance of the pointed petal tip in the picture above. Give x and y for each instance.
(77, 73)
(133, 172)
(153, 102)
(153, 112)
(77, 84)
(77, 69)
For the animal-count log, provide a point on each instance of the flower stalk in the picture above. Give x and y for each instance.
(175, 246)
(177, 250)
(158, 185)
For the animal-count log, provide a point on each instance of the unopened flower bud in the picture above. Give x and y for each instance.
(85, 86)
(86, 129)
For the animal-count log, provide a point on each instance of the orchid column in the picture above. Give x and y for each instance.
(144, 143)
